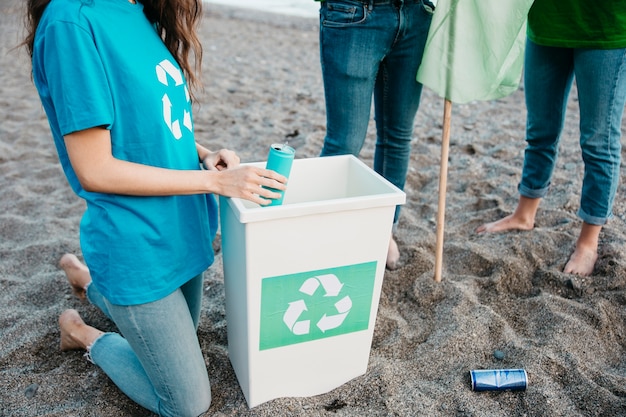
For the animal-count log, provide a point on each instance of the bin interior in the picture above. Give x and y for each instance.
(319, 181)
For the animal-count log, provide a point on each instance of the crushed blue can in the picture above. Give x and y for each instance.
(499, 379)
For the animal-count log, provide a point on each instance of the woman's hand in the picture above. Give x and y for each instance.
(220, 160)
(250, 183)
(233, 180)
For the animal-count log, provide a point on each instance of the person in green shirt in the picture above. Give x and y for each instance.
(569, 40)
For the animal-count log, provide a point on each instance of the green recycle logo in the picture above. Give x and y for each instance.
(313, 305)
(332, 286)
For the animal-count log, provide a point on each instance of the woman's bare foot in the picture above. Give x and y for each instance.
(393, 255)
(77, 274)
(584, 258)
(523, 218)
(581, 262)
(510, 222)
(75, 334)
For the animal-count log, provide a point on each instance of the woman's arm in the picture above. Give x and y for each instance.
(98, 171)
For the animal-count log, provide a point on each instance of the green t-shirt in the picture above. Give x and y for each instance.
(578, 23)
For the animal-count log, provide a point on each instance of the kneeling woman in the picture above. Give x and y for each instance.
(115, 78)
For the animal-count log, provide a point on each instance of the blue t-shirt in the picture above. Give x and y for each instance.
(102, 63)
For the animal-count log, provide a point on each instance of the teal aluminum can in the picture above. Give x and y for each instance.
(499, 379)
(280, 159)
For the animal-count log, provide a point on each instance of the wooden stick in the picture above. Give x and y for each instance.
(443, 184)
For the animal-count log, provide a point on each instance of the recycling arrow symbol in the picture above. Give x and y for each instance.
(332, 287)
(165, 70)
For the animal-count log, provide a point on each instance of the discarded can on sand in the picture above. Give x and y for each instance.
(280, 159)
(499, 379)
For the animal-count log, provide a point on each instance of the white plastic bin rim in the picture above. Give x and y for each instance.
(323, 185)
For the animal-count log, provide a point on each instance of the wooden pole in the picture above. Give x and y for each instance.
(443, 184)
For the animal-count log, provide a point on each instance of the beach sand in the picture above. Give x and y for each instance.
(502, 292)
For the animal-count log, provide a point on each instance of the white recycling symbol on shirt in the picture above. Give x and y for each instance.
(332, 286)
(163, 69)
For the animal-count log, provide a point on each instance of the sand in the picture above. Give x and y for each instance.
(501, 292)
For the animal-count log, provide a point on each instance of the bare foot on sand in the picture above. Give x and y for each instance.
(393, 255)
(582, 262)
(584, 258)
(75, 334)
(510, 222)
(523, 218)
(77, 274)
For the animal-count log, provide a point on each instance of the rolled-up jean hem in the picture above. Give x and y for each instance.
(530, 193)
(593, 220)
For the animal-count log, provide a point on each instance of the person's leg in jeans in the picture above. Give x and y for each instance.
(396, 100)
(354, 40)
(548, 78)
(159, 363)
(601, 81)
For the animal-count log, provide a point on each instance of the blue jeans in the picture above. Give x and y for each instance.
(158, 363)
(601, 82)
(373, 47)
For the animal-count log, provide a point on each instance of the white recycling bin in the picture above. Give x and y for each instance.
(303, 279)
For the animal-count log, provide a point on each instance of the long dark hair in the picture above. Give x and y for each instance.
(175, 20)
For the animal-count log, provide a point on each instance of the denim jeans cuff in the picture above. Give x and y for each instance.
(530, 193)
(88, 354)
(596, 221)
(87, 290)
